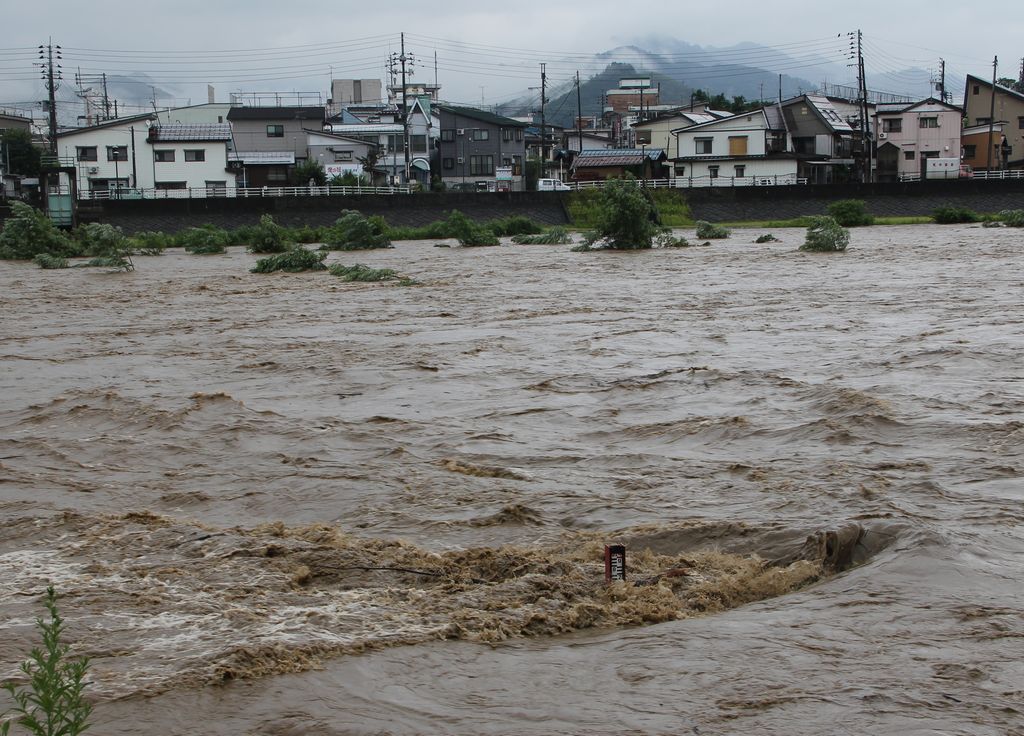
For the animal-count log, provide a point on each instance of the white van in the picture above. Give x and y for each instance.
(552, 185)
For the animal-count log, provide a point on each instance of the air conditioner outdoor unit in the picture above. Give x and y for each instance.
(882, 136)
(94, 169)
(461, 131)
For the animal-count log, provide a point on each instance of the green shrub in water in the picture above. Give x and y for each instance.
(825, 234)
(514, 225)
(953, 215)
(554, 236)
(710, 231)
(293, 260)
(268, 237)
(45, 260)
(1012, 218)
(354, 231)
(149, 243)
(28, 232)
(769, 238)
(359, 272)
(204, 240)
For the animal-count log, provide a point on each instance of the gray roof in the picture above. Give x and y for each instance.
(186, 132)
(277, 113)
(617, 156)
(483, 116)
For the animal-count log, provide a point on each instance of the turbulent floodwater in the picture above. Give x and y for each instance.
(283, 504)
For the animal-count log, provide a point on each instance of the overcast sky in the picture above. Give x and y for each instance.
(486, 50)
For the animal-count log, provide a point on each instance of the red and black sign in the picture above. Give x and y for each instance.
(614, 562)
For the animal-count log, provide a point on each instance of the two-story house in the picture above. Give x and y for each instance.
(270, 140)
(1007, 147)
(123, 156)
(824, 141)
(748, 148)
(658, 131)
(906, 134)
(482, 149)
(341, 154)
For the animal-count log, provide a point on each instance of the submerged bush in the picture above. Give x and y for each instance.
(825, 234)
(148, 243)
(627, 218)
(666, 239)
(29, 232)
(953, 215)
(204, 240)
(850, 213)
(467, 232)
(554, 236)
(293, 260)
(1012, 218)
(354, 231)
(45, 260)
(768, 238)
(109, 246)
(306, 234)
(514, 225)
(710, 231)
(359, 272)
(267, 237)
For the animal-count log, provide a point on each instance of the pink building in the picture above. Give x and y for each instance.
(908, 133)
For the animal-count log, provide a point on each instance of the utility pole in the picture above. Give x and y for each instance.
(992, 112)
(106, 98)
(942, 80)
(579, 113)
(543, 121)
(405, 111)
(857, 51)
(1020, 77)
(51, 78)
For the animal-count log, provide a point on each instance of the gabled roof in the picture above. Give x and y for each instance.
(276, 113)
(895, 108)
(590, 157)
(720, 121)
(108, 124)
(482, 116)
(177, 132)
(823, 108)
(971, 79)
(338, 137)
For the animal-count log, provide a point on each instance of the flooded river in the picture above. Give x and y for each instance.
(283, 504)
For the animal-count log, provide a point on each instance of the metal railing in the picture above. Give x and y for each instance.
(688, 182)
(236, 192)
(1004, 174)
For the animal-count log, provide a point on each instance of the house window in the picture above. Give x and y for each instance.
(1020, 123)
(519, 134)
(216, 188)
(930, 154)
(418, 143)
(481, 134)
(343, 155)
(970, 151)
(396, 144)
(481, 165)
(448, 135)
(976, 90)
(908, 155)
(680, 171)
(506, 134)
(984, 121)
(741, 171)
(703, 145)
(892, 125)
(275, 131)
(713, 172)
(928, 122)
(86, 153)
(643, 136)
(447, 163)
(164, 156)
(117, 153)
(737, 145)
(277, 173)
(195, 154)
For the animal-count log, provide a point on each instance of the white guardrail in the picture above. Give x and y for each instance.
(236, 192)
(1005, 174)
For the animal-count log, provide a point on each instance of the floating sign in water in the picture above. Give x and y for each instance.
(614, 562)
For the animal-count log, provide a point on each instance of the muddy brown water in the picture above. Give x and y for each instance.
(283, 504)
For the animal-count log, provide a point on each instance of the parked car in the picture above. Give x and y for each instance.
(552, 185)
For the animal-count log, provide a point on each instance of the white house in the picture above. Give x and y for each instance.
(751, 147)
(136, 153)
(338, 154)
(909, 134)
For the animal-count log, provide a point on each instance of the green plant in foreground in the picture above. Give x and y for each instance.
(45, 260)
(825, 234)
(467, 232)
(515, 225)
(108, 246)
(710, 231)
(52, 702)
(359, 272)
(768, 238)
(1012, 218)
(850, 213)
(204, 240)
(626, 219)
(293, 260)
(666, 239)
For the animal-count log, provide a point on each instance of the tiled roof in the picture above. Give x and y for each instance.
(616, 156)
(481, 115)
(184, 132)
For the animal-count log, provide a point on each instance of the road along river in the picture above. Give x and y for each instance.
(284, 504)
